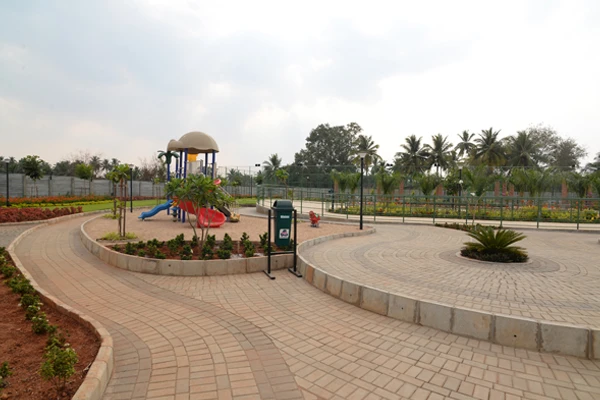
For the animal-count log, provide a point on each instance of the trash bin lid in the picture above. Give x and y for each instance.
(283, 205)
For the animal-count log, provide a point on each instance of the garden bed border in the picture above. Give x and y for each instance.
(182, 267)
(96, 380)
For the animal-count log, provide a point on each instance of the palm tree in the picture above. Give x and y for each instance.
(366, 143)
(522, 150)
(96, 164)
(465, 147)
(439, 153)
(106, 166)
(412, 160)
(489, 150)
(271, 166)
(32, 167)
(580, 183)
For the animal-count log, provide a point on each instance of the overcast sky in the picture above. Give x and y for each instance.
(123, 77)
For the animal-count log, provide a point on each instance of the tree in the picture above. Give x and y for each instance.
(522, 150)
(96, 163)
(478, 180)
(580, 183)
(329, 147)
(119, 176)
(427, 183)
(32, 168)
(271, 165)
(412, 160)
(366, 143)
(168, 156)
(465, 147)
(439, 153)
(566, 155)
(200, 191)
(86, 172)
(282, 176)
(595, 165)
(259, 178)
(387, 182)
(489, 150)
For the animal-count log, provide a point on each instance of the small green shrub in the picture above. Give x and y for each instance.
(20, 285)
(31, 311)
(227, 242)
(496, 246)
(8, 270)
(130, 248)
(173, 246)
(29, 299)
(211, 240)
(195, 241)
(249, 249)
(152, 250)
(180, 239)
(207, 252)
(5, 372)
(56, 339)
(186, 252)
(154, 242)
(59, 365)
(264, 238)
(224, 254)
(40, 324)
(160, 255)
(141, 244)
(244, 237)
(141, 253)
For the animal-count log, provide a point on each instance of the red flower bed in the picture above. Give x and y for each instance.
(35, 214)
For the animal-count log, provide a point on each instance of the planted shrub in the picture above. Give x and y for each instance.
(496, 246)
(8, 271)
(173, 246)
(130, 248)
(141, 244)
(31, 311)
(180, 239)
(160, 255)
(195, 240)
(151, 250)
(224, 254)
(29, 300)
(20, 285)
(40, 324)
(207, 252)
(141, 253)
(244, 237)
(264, 239)
(227, 242)
(186, 252)
(59, 365)
(5, 372)
(211, 240)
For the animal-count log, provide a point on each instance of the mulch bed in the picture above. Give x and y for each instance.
(24, 350)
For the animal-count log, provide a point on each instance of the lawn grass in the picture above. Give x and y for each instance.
(246, 200)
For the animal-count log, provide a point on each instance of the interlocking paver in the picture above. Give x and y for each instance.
(282, 329)
(560, 284)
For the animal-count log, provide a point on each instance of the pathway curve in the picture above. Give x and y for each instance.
(560, 284)
(244, 336)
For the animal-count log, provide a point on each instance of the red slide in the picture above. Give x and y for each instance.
(215, 217)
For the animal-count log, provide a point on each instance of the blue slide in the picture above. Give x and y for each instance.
(155, 210)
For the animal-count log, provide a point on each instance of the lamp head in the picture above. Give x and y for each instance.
(362, 153)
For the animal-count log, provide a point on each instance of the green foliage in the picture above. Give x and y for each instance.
(8, 270)
(141, 253)
(264, 238)
(249, 249)
(207, 251)
(244, 237)
(40, 324)
(32, 310)
(224, 254)
(495, 245)
(428, 183)
(151, 250)
(227, 242)
(20, 285)
(130, 248)
(113, 236)
(173, 245)
(195, 241)
(84, 171)
(29, 299)
(160, 255)
(5, 372)
(59, 365)
(32, 167)
(180, 239)
(211, 241)
(186, 252)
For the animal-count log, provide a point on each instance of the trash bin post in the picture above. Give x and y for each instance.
(268, 271)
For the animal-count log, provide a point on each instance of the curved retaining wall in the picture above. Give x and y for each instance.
(96, 380)
(501, 329)
(182, 267)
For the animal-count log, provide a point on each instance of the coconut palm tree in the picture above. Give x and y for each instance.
(465, 147)
(366, 143)
(522, 150)
(32, 167)
(271, 165)
(439, 153)
(96, 164)
(580, 183)
(412, 160)
(489, 150)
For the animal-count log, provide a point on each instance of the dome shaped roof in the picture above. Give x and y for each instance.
(199, 142)
(175, 145)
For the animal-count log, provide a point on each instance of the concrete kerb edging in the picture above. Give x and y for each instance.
(98, 376)
(181, 267)
(500, 329)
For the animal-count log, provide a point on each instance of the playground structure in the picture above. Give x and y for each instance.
(184, 152)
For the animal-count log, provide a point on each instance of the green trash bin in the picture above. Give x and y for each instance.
(283, 213)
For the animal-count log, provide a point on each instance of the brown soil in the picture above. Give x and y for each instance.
(24, 350)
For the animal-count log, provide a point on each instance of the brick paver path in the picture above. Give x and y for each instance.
(244, 336)
(560, 284)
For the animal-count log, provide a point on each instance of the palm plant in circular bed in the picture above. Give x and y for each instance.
(495, 246)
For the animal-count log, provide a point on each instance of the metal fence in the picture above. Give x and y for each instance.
(464, 208)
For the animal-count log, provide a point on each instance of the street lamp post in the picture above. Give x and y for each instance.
(362, 155)
(130, 188)
(6, 162)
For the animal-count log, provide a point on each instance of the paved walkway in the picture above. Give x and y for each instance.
(559, 284)
(245, 336)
